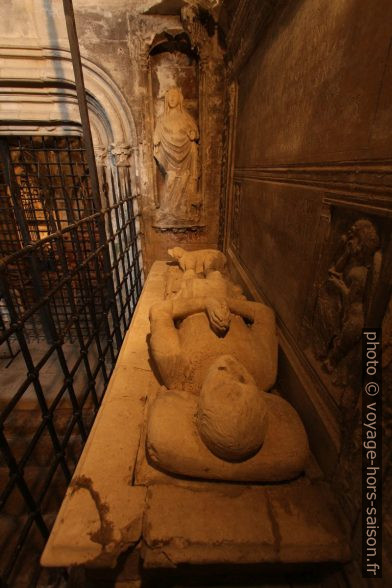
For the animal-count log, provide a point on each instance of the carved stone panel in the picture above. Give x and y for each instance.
(348, 279)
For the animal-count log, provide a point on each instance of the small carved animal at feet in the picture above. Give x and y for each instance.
(202, 261)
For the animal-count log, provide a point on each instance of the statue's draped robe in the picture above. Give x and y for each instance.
(176, 156)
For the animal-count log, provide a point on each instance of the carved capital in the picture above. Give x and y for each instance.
(101, 154)
(122, 154)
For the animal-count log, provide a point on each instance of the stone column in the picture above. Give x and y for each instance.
(123, 155)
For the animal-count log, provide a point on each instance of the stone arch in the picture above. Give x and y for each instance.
(39, 97)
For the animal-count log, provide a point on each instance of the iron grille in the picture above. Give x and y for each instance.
(70, 278)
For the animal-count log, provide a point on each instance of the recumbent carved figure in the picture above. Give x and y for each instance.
(216, 354)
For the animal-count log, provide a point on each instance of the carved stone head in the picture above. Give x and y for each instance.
(232, 413)
(173, 98)
(362, 240)
(176, 253)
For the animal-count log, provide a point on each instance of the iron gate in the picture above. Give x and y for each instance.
(70, 278)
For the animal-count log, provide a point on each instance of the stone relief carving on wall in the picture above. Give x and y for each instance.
(176, 154)
(344, 299)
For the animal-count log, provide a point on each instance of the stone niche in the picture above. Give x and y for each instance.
(174, 78)
(182, 152)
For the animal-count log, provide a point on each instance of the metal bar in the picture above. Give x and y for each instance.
(81, 94)
(64, 247)
(82, 102)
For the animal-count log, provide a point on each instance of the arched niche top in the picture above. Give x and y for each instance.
(174, 41)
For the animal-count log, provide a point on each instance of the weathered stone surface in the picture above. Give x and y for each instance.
(201, 261)
(176, 154)
(208, 329)
(217, 355)
(102, 513)
(240, 524)
(92, 529)
(155, 67)
(310, 527)
(174, 445)
(206, 526)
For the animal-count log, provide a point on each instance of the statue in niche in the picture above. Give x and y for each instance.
(343, 298)
(216, 354)
(176, 154)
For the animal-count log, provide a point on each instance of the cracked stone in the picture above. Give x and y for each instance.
(242, 524)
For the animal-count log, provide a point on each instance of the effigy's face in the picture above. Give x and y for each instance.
(173, 98)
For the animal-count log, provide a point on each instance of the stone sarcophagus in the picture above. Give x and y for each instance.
(194, 457)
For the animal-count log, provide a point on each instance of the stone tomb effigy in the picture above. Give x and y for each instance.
(192, 458)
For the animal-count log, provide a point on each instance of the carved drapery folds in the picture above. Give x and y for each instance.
(176, 135)
(175, 109)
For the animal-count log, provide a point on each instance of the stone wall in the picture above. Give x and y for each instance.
(308, 214)
(115, 39)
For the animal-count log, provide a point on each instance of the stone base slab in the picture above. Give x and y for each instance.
(241, 524)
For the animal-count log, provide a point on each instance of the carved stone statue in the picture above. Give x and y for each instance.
(343, 298)
(216, 354)
(176, 154)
